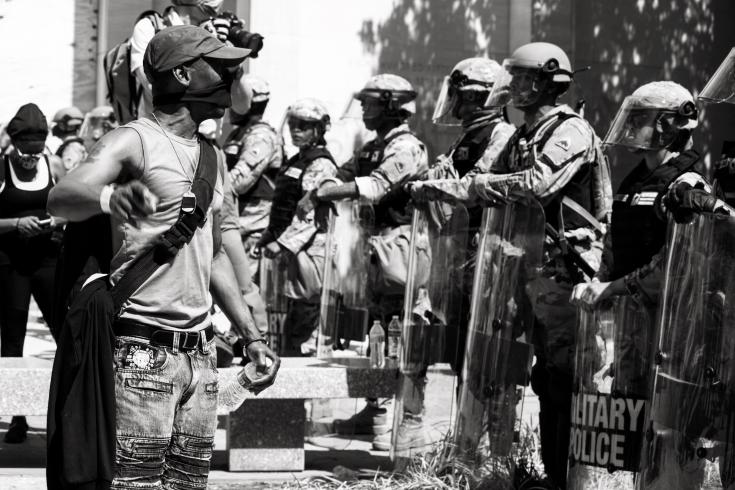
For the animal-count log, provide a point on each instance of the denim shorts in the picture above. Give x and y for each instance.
(166, 415)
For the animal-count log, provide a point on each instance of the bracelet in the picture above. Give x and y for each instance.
(105, 196)
(249, 342)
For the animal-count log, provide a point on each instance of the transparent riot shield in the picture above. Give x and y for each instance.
(498, 353)
(612, 386)
(273, 277)
(344, 302)
(433, 310)
(690, 431)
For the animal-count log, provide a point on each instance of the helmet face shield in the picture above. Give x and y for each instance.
(444, 104)
(95, 127)
(517, 86)
(721, 87)
(458, 98)
(647, 128)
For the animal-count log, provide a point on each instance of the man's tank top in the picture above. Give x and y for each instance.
(176, 296)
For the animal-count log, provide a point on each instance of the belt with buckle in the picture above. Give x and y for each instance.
(176, 339)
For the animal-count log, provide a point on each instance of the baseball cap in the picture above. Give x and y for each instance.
(28, 129)
(176, 45)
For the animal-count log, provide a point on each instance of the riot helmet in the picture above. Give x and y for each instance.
(465, 90)
(532, 71)
(250, 95)
(306, 121)
(384, 98)
(657, 115)
(97, 123)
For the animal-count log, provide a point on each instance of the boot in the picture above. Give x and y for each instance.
(18, 430)
(411, 436)
(371, 420)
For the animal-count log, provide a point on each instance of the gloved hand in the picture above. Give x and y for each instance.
(684, 201)
(482, 187)
(420, 192)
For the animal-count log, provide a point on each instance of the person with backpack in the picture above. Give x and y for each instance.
(557, 158)
(162, 186)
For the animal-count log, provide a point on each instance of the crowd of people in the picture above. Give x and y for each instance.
(176, 222)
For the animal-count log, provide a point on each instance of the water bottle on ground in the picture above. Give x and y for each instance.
(377, 345)
(394, 337)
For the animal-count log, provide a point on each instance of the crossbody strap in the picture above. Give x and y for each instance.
(165, 248)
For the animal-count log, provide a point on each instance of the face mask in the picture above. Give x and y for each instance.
(28, 161)
(218, 95)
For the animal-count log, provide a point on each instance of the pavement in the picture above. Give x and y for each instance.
(22, 466)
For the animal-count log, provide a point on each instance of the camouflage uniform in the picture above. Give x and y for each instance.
(569, 164)
(255, 153)
(380, 170)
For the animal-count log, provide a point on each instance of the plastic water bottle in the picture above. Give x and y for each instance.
(394, 337)
(234, 389)
(377, 345)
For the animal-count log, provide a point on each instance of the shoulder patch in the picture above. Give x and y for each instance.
(563, 143)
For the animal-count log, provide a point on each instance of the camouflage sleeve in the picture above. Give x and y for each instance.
(570, 147)
(489, 160)
(300, 232)
(404, 160)
(319, 170)
(229, 215)
(258, 151)
(606, 261)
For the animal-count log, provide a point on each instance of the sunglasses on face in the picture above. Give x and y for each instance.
(29, 156)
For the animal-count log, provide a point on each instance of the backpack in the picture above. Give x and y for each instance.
(123, 90)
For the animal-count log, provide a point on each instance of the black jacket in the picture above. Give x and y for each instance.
(81, 412)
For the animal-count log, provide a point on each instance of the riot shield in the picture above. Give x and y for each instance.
(499, 351)
(344, 301)
(690, 429)
(433, 310)
(273, 277)
(612, 385)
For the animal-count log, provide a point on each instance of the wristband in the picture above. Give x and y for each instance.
(247, 344)
(105, 196)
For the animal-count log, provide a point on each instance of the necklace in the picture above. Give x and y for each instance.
(188, 200)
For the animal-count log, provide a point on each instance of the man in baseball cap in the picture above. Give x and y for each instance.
(151, 175)
(187, 64)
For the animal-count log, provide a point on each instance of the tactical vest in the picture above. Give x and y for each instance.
(391, 210)
(470, 147)
(264, 187)
(289, 191)
(466, 152)
(638, 230)
(579, 188)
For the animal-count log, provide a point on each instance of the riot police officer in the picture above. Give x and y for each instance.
(655, 123)
(308, 121)
(377, 174)
(254, 153)
(556, 157)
